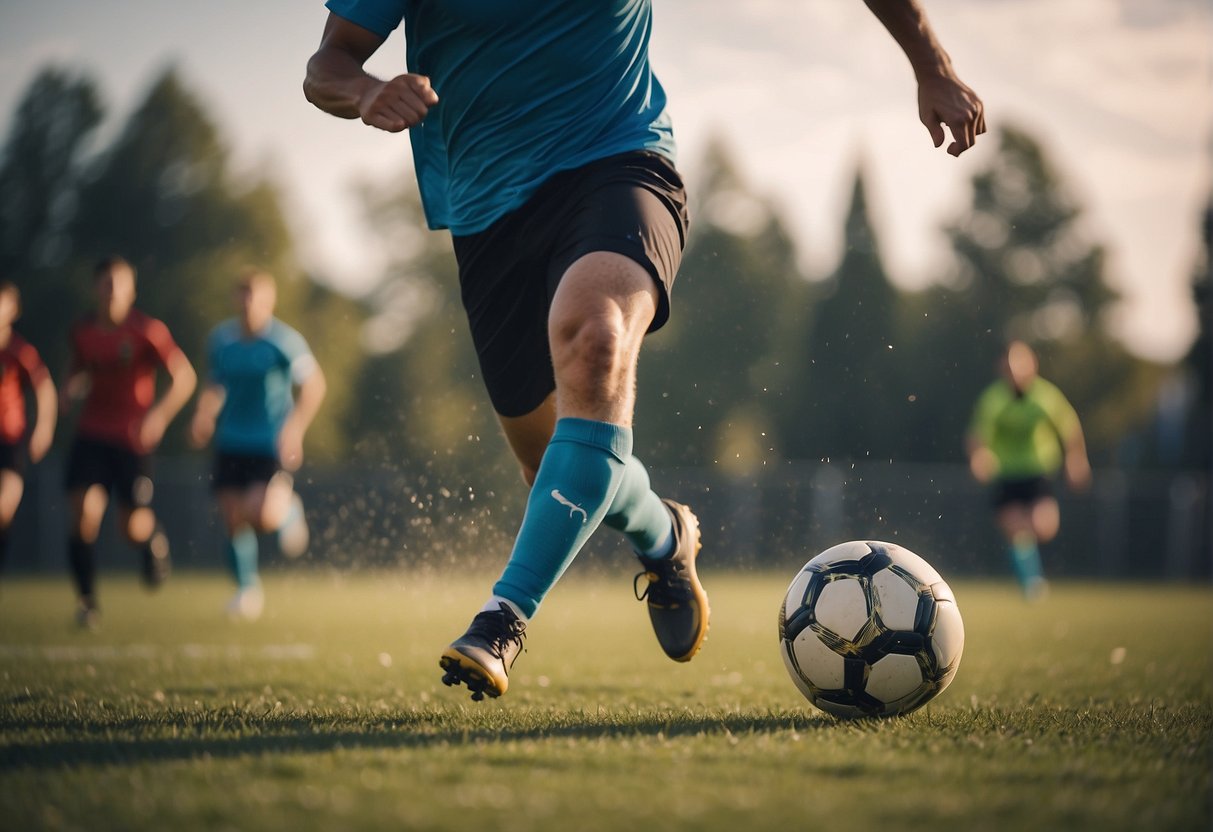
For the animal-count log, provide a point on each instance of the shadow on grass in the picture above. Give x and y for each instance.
(230, 734)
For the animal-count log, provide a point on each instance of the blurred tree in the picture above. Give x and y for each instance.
(163, 195)
(40, 168)
(1025, 269)
(1198, 441)
(846, 363)
(423, 407)
(710, 380)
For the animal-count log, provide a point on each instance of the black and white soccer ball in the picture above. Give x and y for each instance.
(870, 629)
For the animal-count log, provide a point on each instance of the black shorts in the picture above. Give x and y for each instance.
(13, 457)
(239, 471)
(1024, 491)
(121, 471)
(633, 204)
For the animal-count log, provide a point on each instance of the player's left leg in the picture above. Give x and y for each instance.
(280, 511)
(12, 486)
(1046, 518)
(134, 489)
(242, 550)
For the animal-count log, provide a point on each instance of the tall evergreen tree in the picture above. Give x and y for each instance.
(1198, 442)
(709, 381)
(1024, 269)
(40, 173)
(164, 195)
(424, 410)
(847, 361)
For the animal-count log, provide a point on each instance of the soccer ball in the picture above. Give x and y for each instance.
(870, 629)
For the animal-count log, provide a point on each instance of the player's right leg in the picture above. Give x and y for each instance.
(1023, 547)
(607, 240)
(90, 475)
(280, 511)
(87, 505)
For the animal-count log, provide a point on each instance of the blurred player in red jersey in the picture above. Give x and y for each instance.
(116, 352)
(20, 367)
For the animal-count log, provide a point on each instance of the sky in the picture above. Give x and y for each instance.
(802, 91)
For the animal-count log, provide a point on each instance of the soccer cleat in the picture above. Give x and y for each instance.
(293, 537)
(247, 604)
(88, 617)
(678, 605)
(157, 561)
(482, 657)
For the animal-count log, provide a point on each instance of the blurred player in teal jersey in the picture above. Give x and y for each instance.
(250, 409)
(541, 139)
(1022, 431)
(20, 368)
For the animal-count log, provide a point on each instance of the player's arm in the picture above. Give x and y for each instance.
(1077, 465)
(206, 412)
(1065, 421)
(182, 381)
(943, 99)
(76, 381)
(307, 404)
(983, 463)
(46, 401)
(337, 83)
(46, 412)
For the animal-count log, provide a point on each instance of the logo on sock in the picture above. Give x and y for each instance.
(573, 507)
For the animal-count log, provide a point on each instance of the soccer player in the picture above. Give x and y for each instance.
(541, 140)
(1022, 431)
(115, 354)
(258, 424)
(20, 367)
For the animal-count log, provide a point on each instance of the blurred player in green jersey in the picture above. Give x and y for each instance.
(1024, 431)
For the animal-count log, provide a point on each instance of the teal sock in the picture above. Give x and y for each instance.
(242, 557)
(576, 482)
(1025, 561)
(639, 514)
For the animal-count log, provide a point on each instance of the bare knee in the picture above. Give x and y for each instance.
(12, 486)
(138, 524)
(1046, 519)
(88, 508)
(589, 355)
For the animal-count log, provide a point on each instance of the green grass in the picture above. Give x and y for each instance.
(1092, 710)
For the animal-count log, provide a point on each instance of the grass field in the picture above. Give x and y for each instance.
(1092, 710)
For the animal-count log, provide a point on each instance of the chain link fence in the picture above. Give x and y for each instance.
(1129, 525)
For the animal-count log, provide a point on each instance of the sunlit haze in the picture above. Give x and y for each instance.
(802, 92)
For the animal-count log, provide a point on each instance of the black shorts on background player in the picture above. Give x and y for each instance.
(239, 471)
(1024, 491)
(121, 471)
(13, 457)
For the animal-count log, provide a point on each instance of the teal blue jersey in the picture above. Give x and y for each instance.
(526, 89)
(257, 374)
